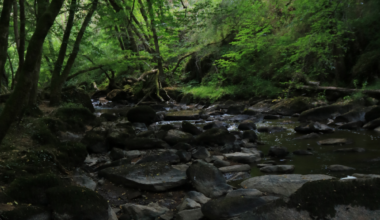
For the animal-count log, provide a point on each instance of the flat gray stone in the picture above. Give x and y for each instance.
(240, 157)
(235, 168)
(339, 168)
(278, 169)
(244, 192)
(192, 214)
(188, 203)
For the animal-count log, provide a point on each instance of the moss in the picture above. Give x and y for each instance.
(78, 202)
(138, 88)
(71, 154)
(23, 213)
(319, 198)
(54, 124)
(75, 117)
(42, 134)
(72, 95)
(31, 190)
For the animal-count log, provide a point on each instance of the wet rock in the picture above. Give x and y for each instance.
(314, 127)
(109, 116)
(229, 207)
(227, 148)
(250, 135)
(117, 154)
(95, 143)
(240, 157)
(193, 214)
(181, 167)
(271, 129)
(372, 114)
(289, 107)
(366, 176)
(235, 168)
(350, 150)
(302, 152)
(221, 163)
(82, 179)
(139, 127)
(325, 112)
(235, 176)
(272, 117)
(111, 214)
(114, 164)
(167, 156)
(351, 125)
(207, 179)
(184, 156)
(141, 212)
(372, 124)
(263, 106)
(133, 154)
(278, 169)
(175, 136)
(182, 146)
(190, 128)
(79, 97)
(182, 115)
(188, 203)
(142, 114)
(284, 185)
(278, 152)
(146, 176)
(216, 136)
(247, 125)
(235, 109)
(77, 203)
(201, 153)
(339, 168)
(249, 112)
(167, 127)
(215, 124)
(254, 151)
(333, 141)
(308, 136)
(141, 144)
(245, 193)
(197, 196)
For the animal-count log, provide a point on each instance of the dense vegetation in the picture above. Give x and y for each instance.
(210, 48)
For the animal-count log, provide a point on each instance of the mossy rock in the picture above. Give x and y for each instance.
(71, 154)
(73, 95)
(187, 98)
(33, 111)
(143, 114)
(54, 124)
(320, 198)
(32, 190)
(289, 107)
(42, 134)
(26, 213)
(77, 203)
(75, 117)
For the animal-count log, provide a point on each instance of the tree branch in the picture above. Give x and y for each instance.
(180, 60)
(83, 71)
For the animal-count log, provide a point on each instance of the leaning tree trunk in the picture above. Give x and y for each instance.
(57, 82)
(15, 103)
(4, 31)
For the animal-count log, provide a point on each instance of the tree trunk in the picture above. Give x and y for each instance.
(59, 80)
(21, 40)
(4, 32)
(16, 101)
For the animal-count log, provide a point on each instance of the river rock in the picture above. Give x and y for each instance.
(272, 117)
(372, 124)
(77, 203)
(247, 125)
(207, 179)
(290, 107)
(215, 124)
(366, 176)
(354, 115)
(235, 168)
(182, 146)
(245, 193)
(333, 141)
(201, 153)
(109, 116)
(221, 163)
(314, 127)
(230, 207)
(141, 144)
(302, 152)
(184, 156)
(182, 115)
(278, 152)
(250, 135)
(197, 196)
(167, 156)
(284, 185)
(146, 176)
(117, 95)
(350, 150)
(192, 214)
(372, 114)
(219, 136)
(82, 179)
(271, 129)
(351, 125)
(188, 203)
(190, 128)
(254, 151)
(278, 169)
(175, 136)
(167, 127)
(308, 136)
(240, 157)
(142, 114)
(262, 106)
(235, 109)
(325, 112)
(141, 212)
(339, 168)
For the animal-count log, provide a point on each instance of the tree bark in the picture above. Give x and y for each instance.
(16, 101)
(57, 82)
(4, 32)
(21, 39)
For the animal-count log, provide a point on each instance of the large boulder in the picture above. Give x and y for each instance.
(190, 128)
(230, 207)
(314, 127)
(284, 185)
(156, 176)
(143, 114)
(75, 117)
(77, 203)
(79, 97)
(175, 136)
(219, 136)
(325, 112)
(354, 115)
(207, 179)
(291, 106)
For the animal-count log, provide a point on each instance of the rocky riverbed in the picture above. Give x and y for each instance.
(292, 159)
